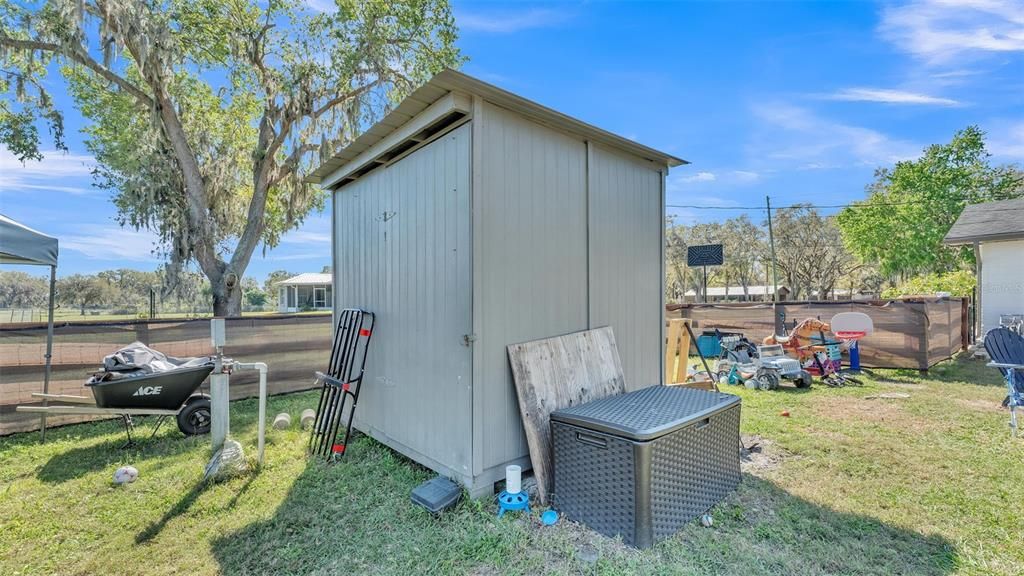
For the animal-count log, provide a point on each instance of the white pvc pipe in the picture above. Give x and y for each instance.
(262, 426)
(513, 479)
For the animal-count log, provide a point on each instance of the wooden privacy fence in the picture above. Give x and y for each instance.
(909, 333)
(293, 347)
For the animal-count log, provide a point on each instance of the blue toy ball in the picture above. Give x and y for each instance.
(549, 517)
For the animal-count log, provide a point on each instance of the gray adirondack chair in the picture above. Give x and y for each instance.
(1006, 349)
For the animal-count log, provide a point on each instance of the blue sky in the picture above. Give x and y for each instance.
(800, 101)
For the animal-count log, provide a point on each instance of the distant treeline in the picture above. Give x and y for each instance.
(128, 291)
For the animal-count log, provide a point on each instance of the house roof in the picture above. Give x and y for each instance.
(448, 81)
(990, 221)
(307, 279)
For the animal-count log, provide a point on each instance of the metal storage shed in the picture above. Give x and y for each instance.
(468, 219)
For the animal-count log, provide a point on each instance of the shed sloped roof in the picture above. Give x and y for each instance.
(448, 81)
(20, 244)
(990, 221)
(307, 279)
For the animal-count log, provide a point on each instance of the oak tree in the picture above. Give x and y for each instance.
(205, 116)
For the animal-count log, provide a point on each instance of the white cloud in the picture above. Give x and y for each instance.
(325, 256)
(112, 242)
(797, 134)
(322, 5)
(699, 177)
(746, 176)
(939, 30)
(56, 172)
(889, 96)
(306, 237)
(506, 22)
(1008, 142)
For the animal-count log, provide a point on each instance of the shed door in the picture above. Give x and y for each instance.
(403, 251)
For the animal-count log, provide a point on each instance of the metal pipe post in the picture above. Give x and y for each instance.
(49, 352)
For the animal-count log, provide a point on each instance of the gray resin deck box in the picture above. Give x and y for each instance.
(643, 464)
(468, 219)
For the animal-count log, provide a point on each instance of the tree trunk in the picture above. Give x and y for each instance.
(227, 296)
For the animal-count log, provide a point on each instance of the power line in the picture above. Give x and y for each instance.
(862, 204)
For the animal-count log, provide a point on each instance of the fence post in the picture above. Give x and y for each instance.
(925, 341)
(965, 329)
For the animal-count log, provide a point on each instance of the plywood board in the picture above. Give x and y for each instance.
(677, 346)
(556, 373)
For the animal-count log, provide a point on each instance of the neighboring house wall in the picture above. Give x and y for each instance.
(294, 298)
(1002, 281)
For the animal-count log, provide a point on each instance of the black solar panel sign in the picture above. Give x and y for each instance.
(704, 255)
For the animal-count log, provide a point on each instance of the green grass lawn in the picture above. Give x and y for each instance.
(930, 484)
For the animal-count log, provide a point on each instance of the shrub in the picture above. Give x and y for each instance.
(959, 283)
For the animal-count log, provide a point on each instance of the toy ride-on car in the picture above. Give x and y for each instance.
(739, 364)
(774, 355)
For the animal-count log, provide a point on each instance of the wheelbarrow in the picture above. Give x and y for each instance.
(163, 394)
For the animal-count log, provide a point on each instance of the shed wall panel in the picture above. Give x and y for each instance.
(402, 250)
(626, 226)
(534, 254)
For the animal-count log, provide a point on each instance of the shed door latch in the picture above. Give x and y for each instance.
(468, 339)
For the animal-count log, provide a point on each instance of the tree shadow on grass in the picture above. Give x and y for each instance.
(355, 517)
(963, 369)
(762, 528)
(179, 508)
(78, 462)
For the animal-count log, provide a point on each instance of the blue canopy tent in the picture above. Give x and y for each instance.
(20, 244)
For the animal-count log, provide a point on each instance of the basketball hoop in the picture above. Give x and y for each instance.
(852, 326)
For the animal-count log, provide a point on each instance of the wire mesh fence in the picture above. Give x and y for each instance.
(292, 346)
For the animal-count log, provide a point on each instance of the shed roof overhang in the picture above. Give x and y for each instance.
(444, 99)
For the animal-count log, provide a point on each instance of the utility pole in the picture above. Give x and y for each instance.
(777, 318)
(771, 243)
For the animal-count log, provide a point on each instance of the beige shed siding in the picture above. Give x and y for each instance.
(625, 224)
(534, 254)
(402, 250)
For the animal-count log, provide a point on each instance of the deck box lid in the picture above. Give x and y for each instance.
(647, 413)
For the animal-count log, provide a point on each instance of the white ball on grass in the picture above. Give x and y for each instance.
(707, 520)
(125, 474)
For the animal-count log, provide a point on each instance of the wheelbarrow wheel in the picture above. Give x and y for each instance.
(194, 418)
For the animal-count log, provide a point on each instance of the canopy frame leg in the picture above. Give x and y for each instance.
(49, 352)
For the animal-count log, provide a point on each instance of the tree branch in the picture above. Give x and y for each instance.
(82, 58)
(316, 114)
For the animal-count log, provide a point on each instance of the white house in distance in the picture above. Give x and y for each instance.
(307, 291)
(756, 293)
(996, 230)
